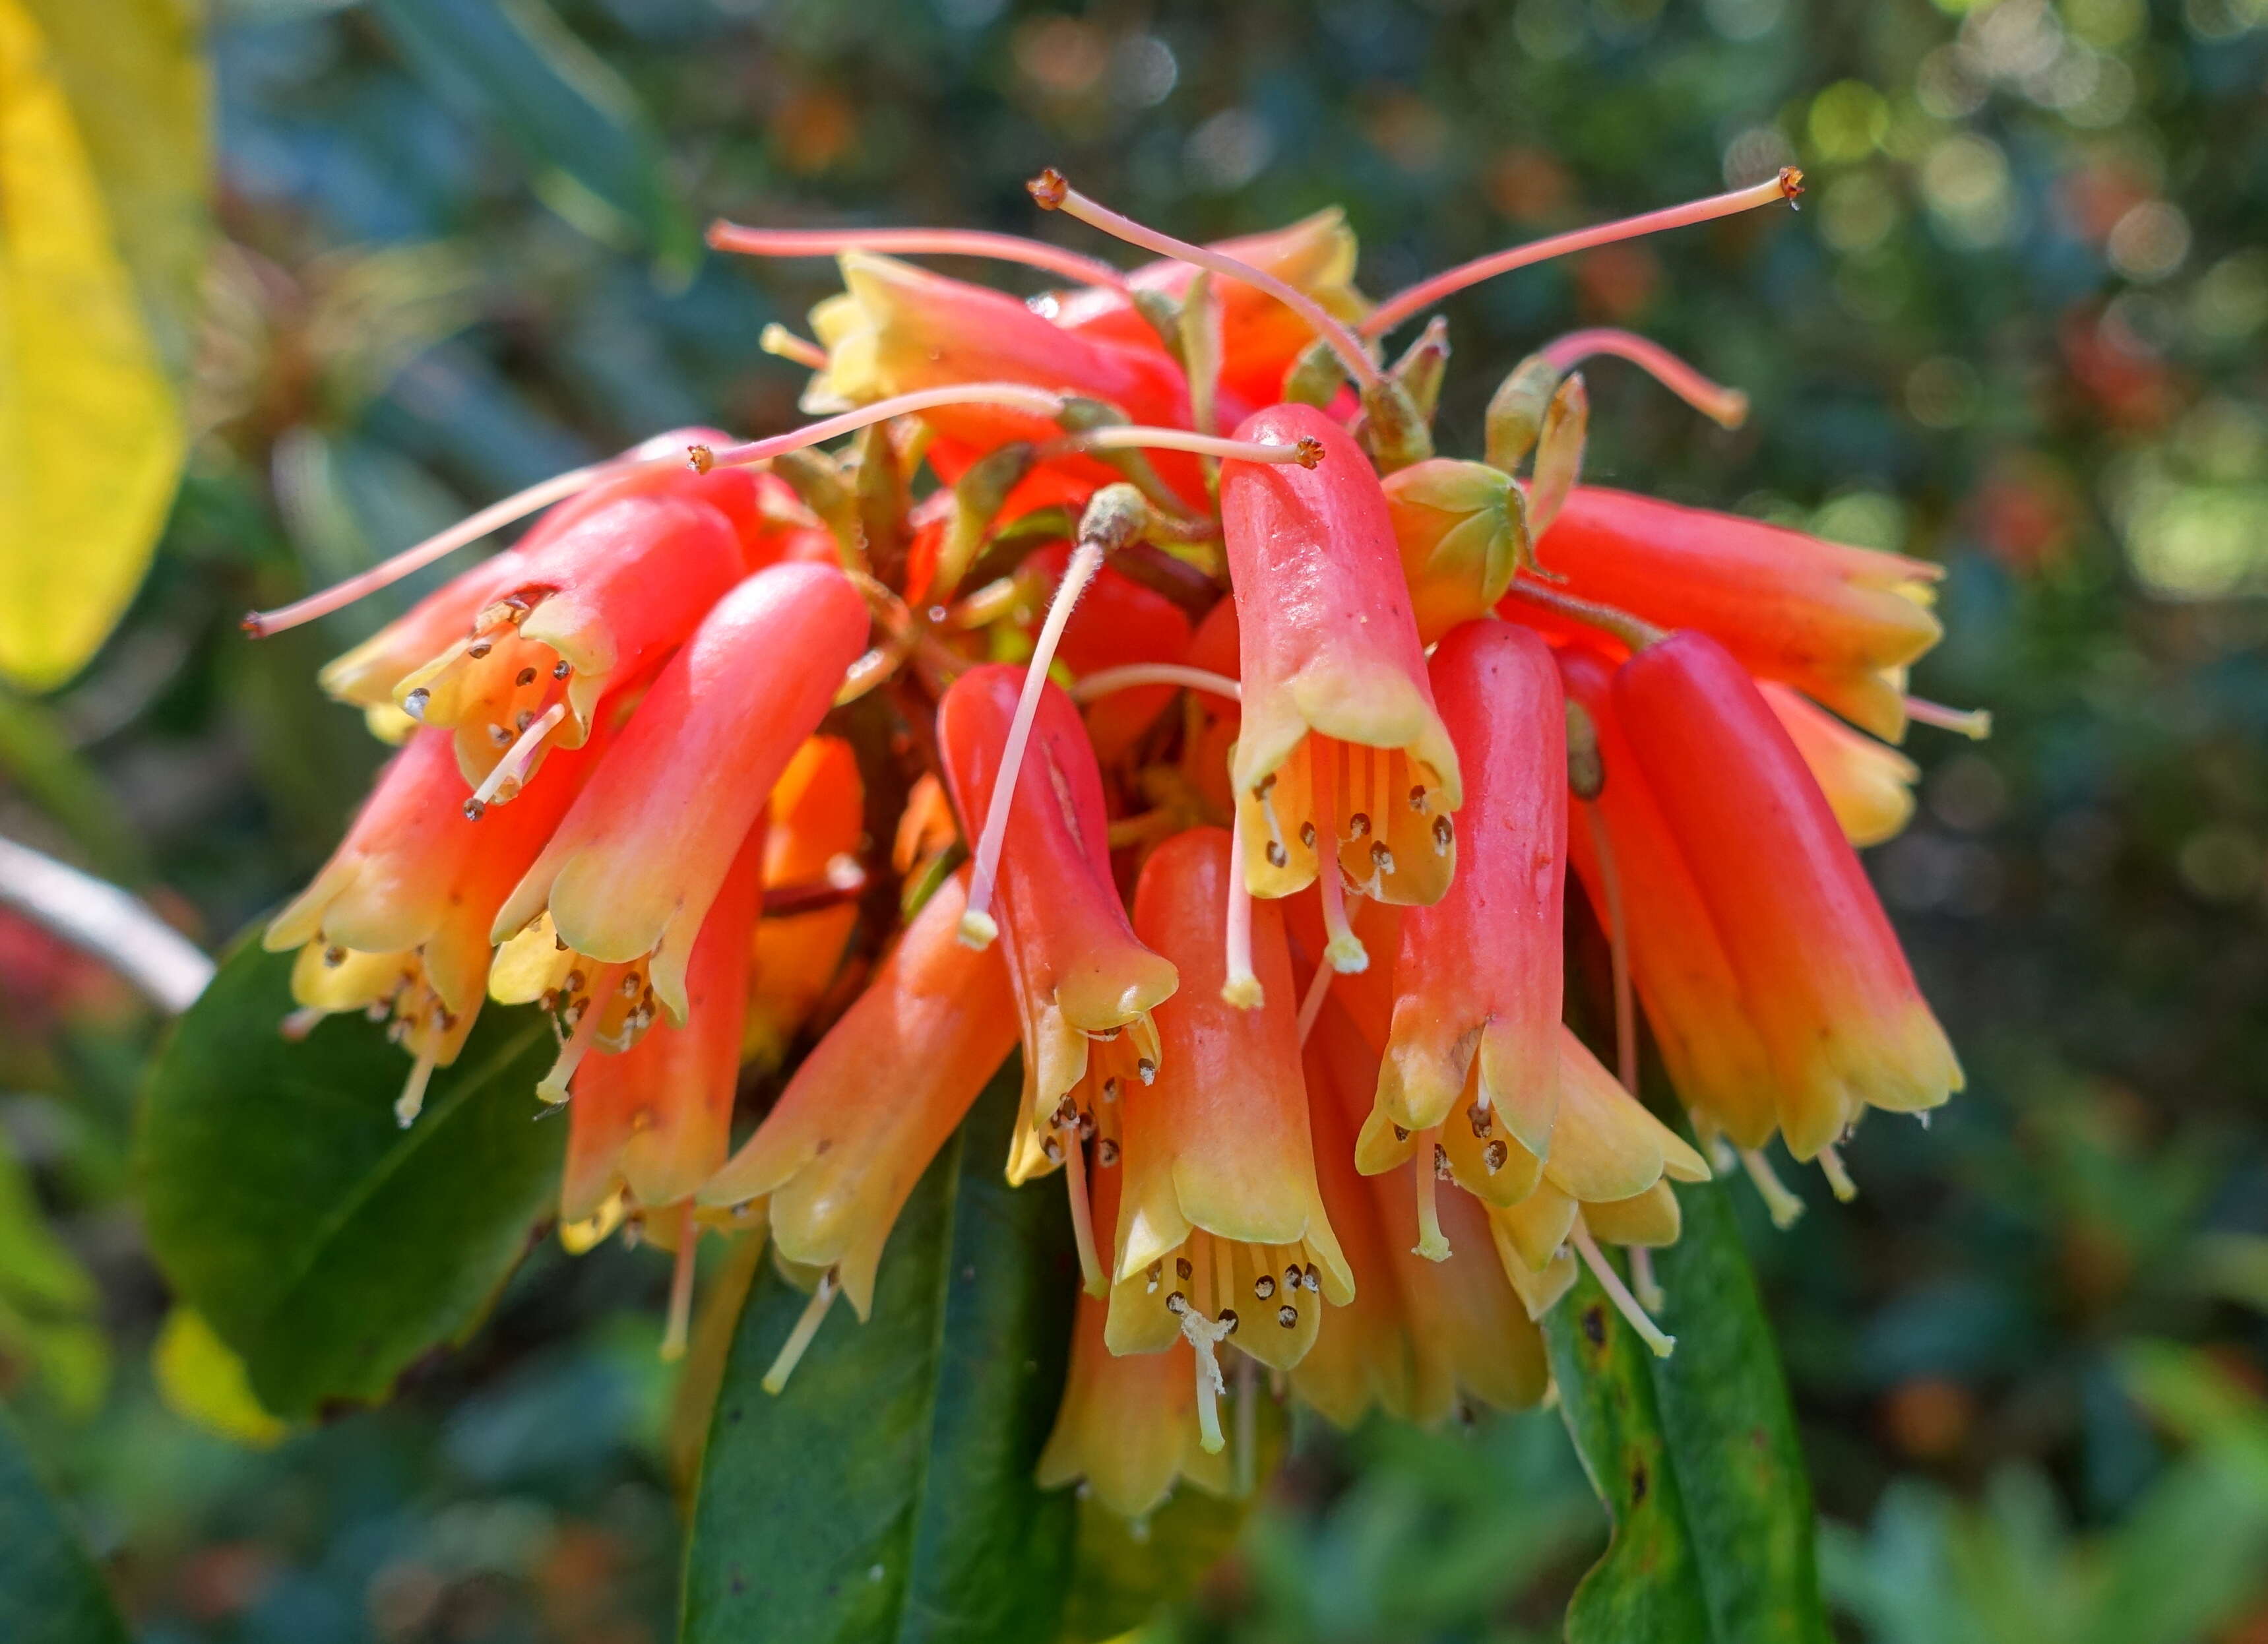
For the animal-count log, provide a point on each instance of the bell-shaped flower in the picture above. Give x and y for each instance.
(655, 1122)
(1868, 785)
(1477, 981)
(1820, 969)
(1221, 1216)
(1084, 986)
(816, 818)
(398, 919)
(868, 1109)
(1341, 750)
(1462, 531)
(605, 919)
(1678, 961)
(1838, 624)
(1127, 1424)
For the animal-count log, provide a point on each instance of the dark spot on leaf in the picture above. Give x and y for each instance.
(1639, 1482)
(734, 1414)
(739, 1582)
(1595, 1326)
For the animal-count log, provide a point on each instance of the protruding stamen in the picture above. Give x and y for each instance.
(298, 1024)
(1121, 437)
(1016, 396)
(1243, 987)
(1311, 1007)
(1617, 949)
(512, 768)
(1425, 293)
(1611, 1282)
(1102, 681)
(1727, 408)
(777, 341)
(915, 242)
(680, 1327)
(1839, 1178)
(977, 925)
(1426, 1168)
(1976, 724)
(1202, 1334)
(1784, 1208)
(1343, 949)
(1051, 192)
(792, 1351)
(411, 1101)
(1082, 1216)
(1643, 1284)
(553, 1085)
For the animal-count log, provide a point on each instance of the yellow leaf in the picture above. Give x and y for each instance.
(90, 431)
(202, 1381)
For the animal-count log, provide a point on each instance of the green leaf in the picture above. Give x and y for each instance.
(327, 1247)
(597, 155)
(50, 1592)
(1695, 1456)
(888, 1492)
(1125, 1571)
(102, 148)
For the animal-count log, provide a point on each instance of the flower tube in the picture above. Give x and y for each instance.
(1340, 738)
(1838, 624)
(1819, 966)
(1221, 1212)
(1869, 785)
(399, 916)
(817, 815)
(1476, 982)
(1128, 1423)
(618, 895)
(1084, 986)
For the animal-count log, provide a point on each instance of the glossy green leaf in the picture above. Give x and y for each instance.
(1695, 1456)
(50, 1592)
(887, 1493)
(597, 154)
(326, 1246)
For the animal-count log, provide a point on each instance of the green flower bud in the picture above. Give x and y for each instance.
(1463, 529)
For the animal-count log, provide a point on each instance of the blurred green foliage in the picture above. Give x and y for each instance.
(2018, 328)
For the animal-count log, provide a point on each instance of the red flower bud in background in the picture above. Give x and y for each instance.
(816, 818)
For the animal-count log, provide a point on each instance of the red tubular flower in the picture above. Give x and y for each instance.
(1838, 624)
(1819, 966)
(1221, 1208)
(1127, 1424)
(817, 815)
(875, 1099)
(1868, 785)
(400, 914)
(1118, 622)
(1476, 982)
(1678, 960)
(1085, 987)
(619, 893)
(655, 1121)
(1340, 738)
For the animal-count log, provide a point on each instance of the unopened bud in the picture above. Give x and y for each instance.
(1116, 517)
(1421, 369)
(1462, 530)
(977, 499)
(1516, 411)
(1315, 377)
(1397, 432)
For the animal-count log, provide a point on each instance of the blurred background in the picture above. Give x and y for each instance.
(2018, 328)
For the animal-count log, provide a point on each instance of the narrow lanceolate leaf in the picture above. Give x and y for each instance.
(327, 1247)
(887, 1493)
(90, 428)
(1695, 1456)
(50, 1592)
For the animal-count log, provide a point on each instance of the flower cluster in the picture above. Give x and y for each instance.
(1237, 746)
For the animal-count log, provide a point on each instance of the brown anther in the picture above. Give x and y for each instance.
(396, 1032)
(1311, 1281)
(1791, 182)
(526, 676)
(630, 985)
(480, 648)
(574, 981)
(1265, 786)
(1400, 1134)
(1228, 1318)
(1310, 451)
(1111, 1088)
(1307, 835)
(1496, 1155)
(558, 943)
(1146, 1069)
(1087, 1127)
(1176, 1303)
(334, 957)
(1183, 1269)
(700, 459)
(1277, 854)
(562, 669)
(498, 735)
(1381, 858)
(1443, 833)
(1047, 189)
(253, 623)
(1288, 1317)
(1359, 825)
(1265, 1286)
(1441, 1171)
(1109, 1036)
(550, 999)
(1157, 1271)
(1053, 1149)
(1418, 797)
(1292, 1276)
(1106, 1153)
(525, 717)
(1066, 1113)
(475, 810)
(414, 704)
(1484, 1121)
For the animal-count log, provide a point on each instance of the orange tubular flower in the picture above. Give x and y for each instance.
(597, 605)
(1819, 966)
(1868, 785)
(618, 895)
(817, 815)
(1838, 624)
(400, 914)
(1221, 1208)
(1128, 1423)
(1476, 982)
(875, 1099)
(1678, 960)
(655, 1121)
(1085, 987)
(1340, 738)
